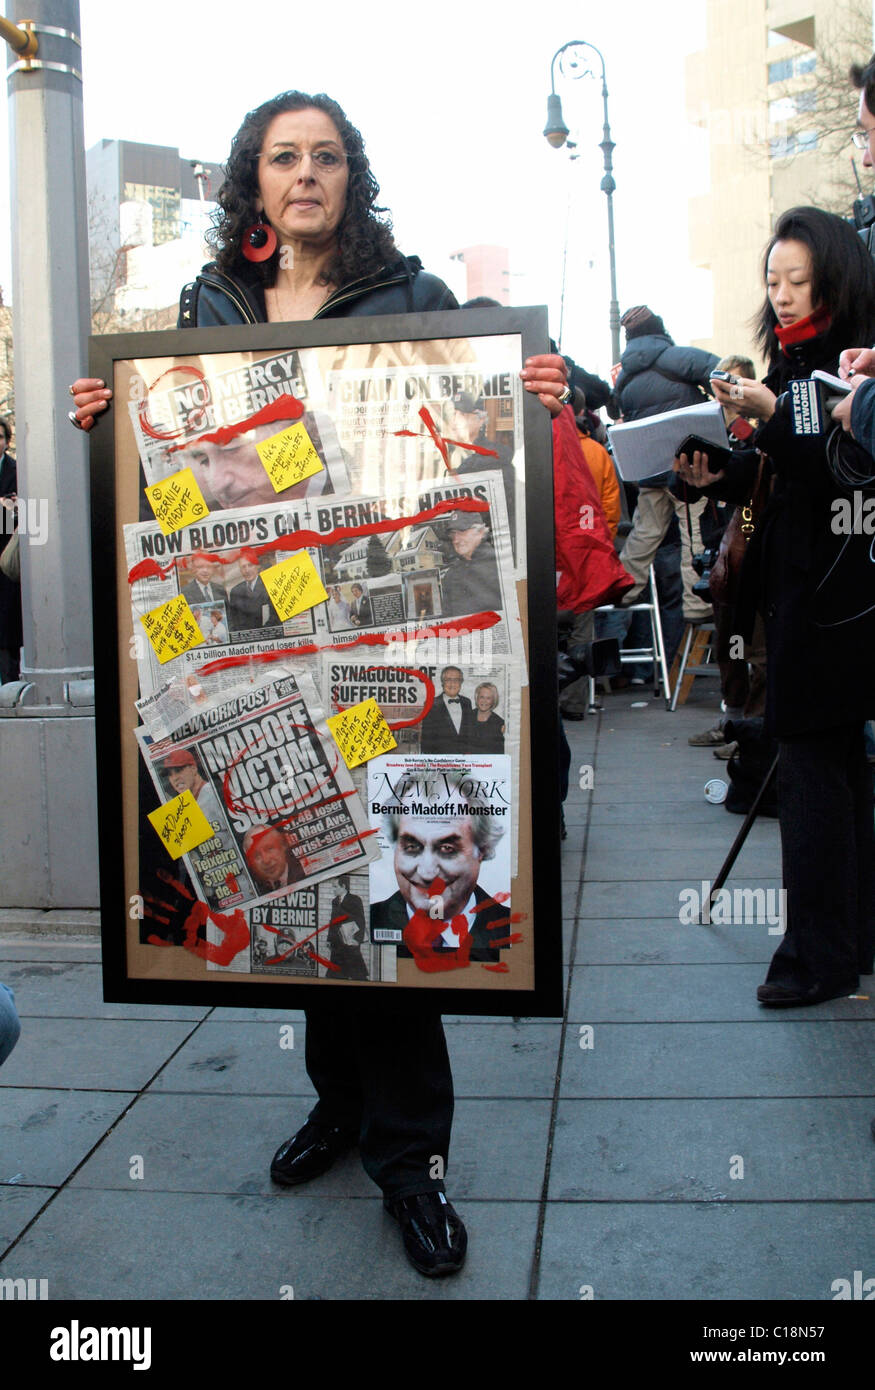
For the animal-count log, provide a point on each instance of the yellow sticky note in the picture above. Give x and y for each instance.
(172, 628)
(361, 732)
(181, 824)
(177, 501)
(294, 585)
(289, 457)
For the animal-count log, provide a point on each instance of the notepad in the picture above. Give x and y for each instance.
(646, 448)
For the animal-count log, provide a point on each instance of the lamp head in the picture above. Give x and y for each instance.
(555, 131)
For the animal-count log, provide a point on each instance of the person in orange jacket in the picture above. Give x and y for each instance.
(602, 469)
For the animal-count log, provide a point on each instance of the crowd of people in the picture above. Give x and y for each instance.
(787, 584)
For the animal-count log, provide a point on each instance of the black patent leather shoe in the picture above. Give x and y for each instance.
(310, 1153)
(784, 997)
(435, 1239)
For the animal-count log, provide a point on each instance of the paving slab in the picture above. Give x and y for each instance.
(45, 1133)
(53, 921)
(632, 813)
(664, 941)
(21, 945)
(794, 1058)
(703, 860)
(504, 1059)
(91, 1054)
(274, 1016)
(650, 897)
(713, 1150)
(663, 838)
(704, 1251)
(189, 1246)
(648, 993)
(497, 1151)
(18, 1206)
(244, 1059)
(74, 989)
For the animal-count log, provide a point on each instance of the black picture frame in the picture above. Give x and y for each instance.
(114, 724)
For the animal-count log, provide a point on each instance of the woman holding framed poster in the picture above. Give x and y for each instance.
(300, 237)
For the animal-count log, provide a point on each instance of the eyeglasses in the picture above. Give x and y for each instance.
(329, 161)
(861, 138)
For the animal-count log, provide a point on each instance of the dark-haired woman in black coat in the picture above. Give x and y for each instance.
(816, 590)
(301, 237)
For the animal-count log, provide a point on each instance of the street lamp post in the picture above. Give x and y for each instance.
(556, 133)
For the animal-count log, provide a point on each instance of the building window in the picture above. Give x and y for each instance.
(785, 108)
(785, 146)
(779, 72)
(164, 203)
(792, 67)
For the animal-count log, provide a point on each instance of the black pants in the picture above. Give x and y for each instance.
(386, 1076)
(9, 664)
(828, 855)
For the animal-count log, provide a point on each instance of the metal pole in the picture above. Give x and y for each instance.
(48, 849)
(556, 133)
(740, 838)
(608, 186)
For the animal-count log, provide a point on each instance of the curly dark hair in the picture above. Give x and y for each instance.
(364, 235)
(842, 277)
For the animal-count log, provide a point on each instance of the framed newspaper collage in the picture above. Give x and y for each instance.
(324, 604)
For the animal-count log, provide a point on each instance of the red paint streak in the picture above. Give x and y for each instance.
(300, 540)
(441, 441)
(232, 925)
(150, 569)
(157, 941)
(351, 839)
(168, 878)
(423, 932)
(495, 901)
(231, 882)
(472, 622)
(421, 935)
(158, 902)
(145, 423)
(429, 696)
(285, 407)
(441, 447)
(238, 806)
(278, 931)
(329, 964)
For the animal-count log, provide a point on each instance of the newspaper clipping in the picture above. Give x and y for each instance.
(441, 888)
(314, 537)
(214, 421)
(272, 786)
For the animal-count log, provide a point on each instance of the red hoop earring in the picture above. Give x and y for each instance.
(259, 241)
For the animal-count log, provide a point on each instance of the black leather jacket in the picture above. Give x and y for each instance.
(217, 298)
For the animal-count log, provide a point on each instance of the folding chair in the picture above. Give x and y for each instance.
(631, 656)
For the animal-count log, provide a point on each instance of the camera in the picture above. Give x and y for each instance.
(703, 565)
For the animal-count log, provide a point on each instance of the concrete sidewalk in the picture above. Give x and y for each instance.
(692, 1146)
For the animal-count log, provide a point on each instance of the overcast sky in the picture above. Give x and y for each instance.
(451, 101)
